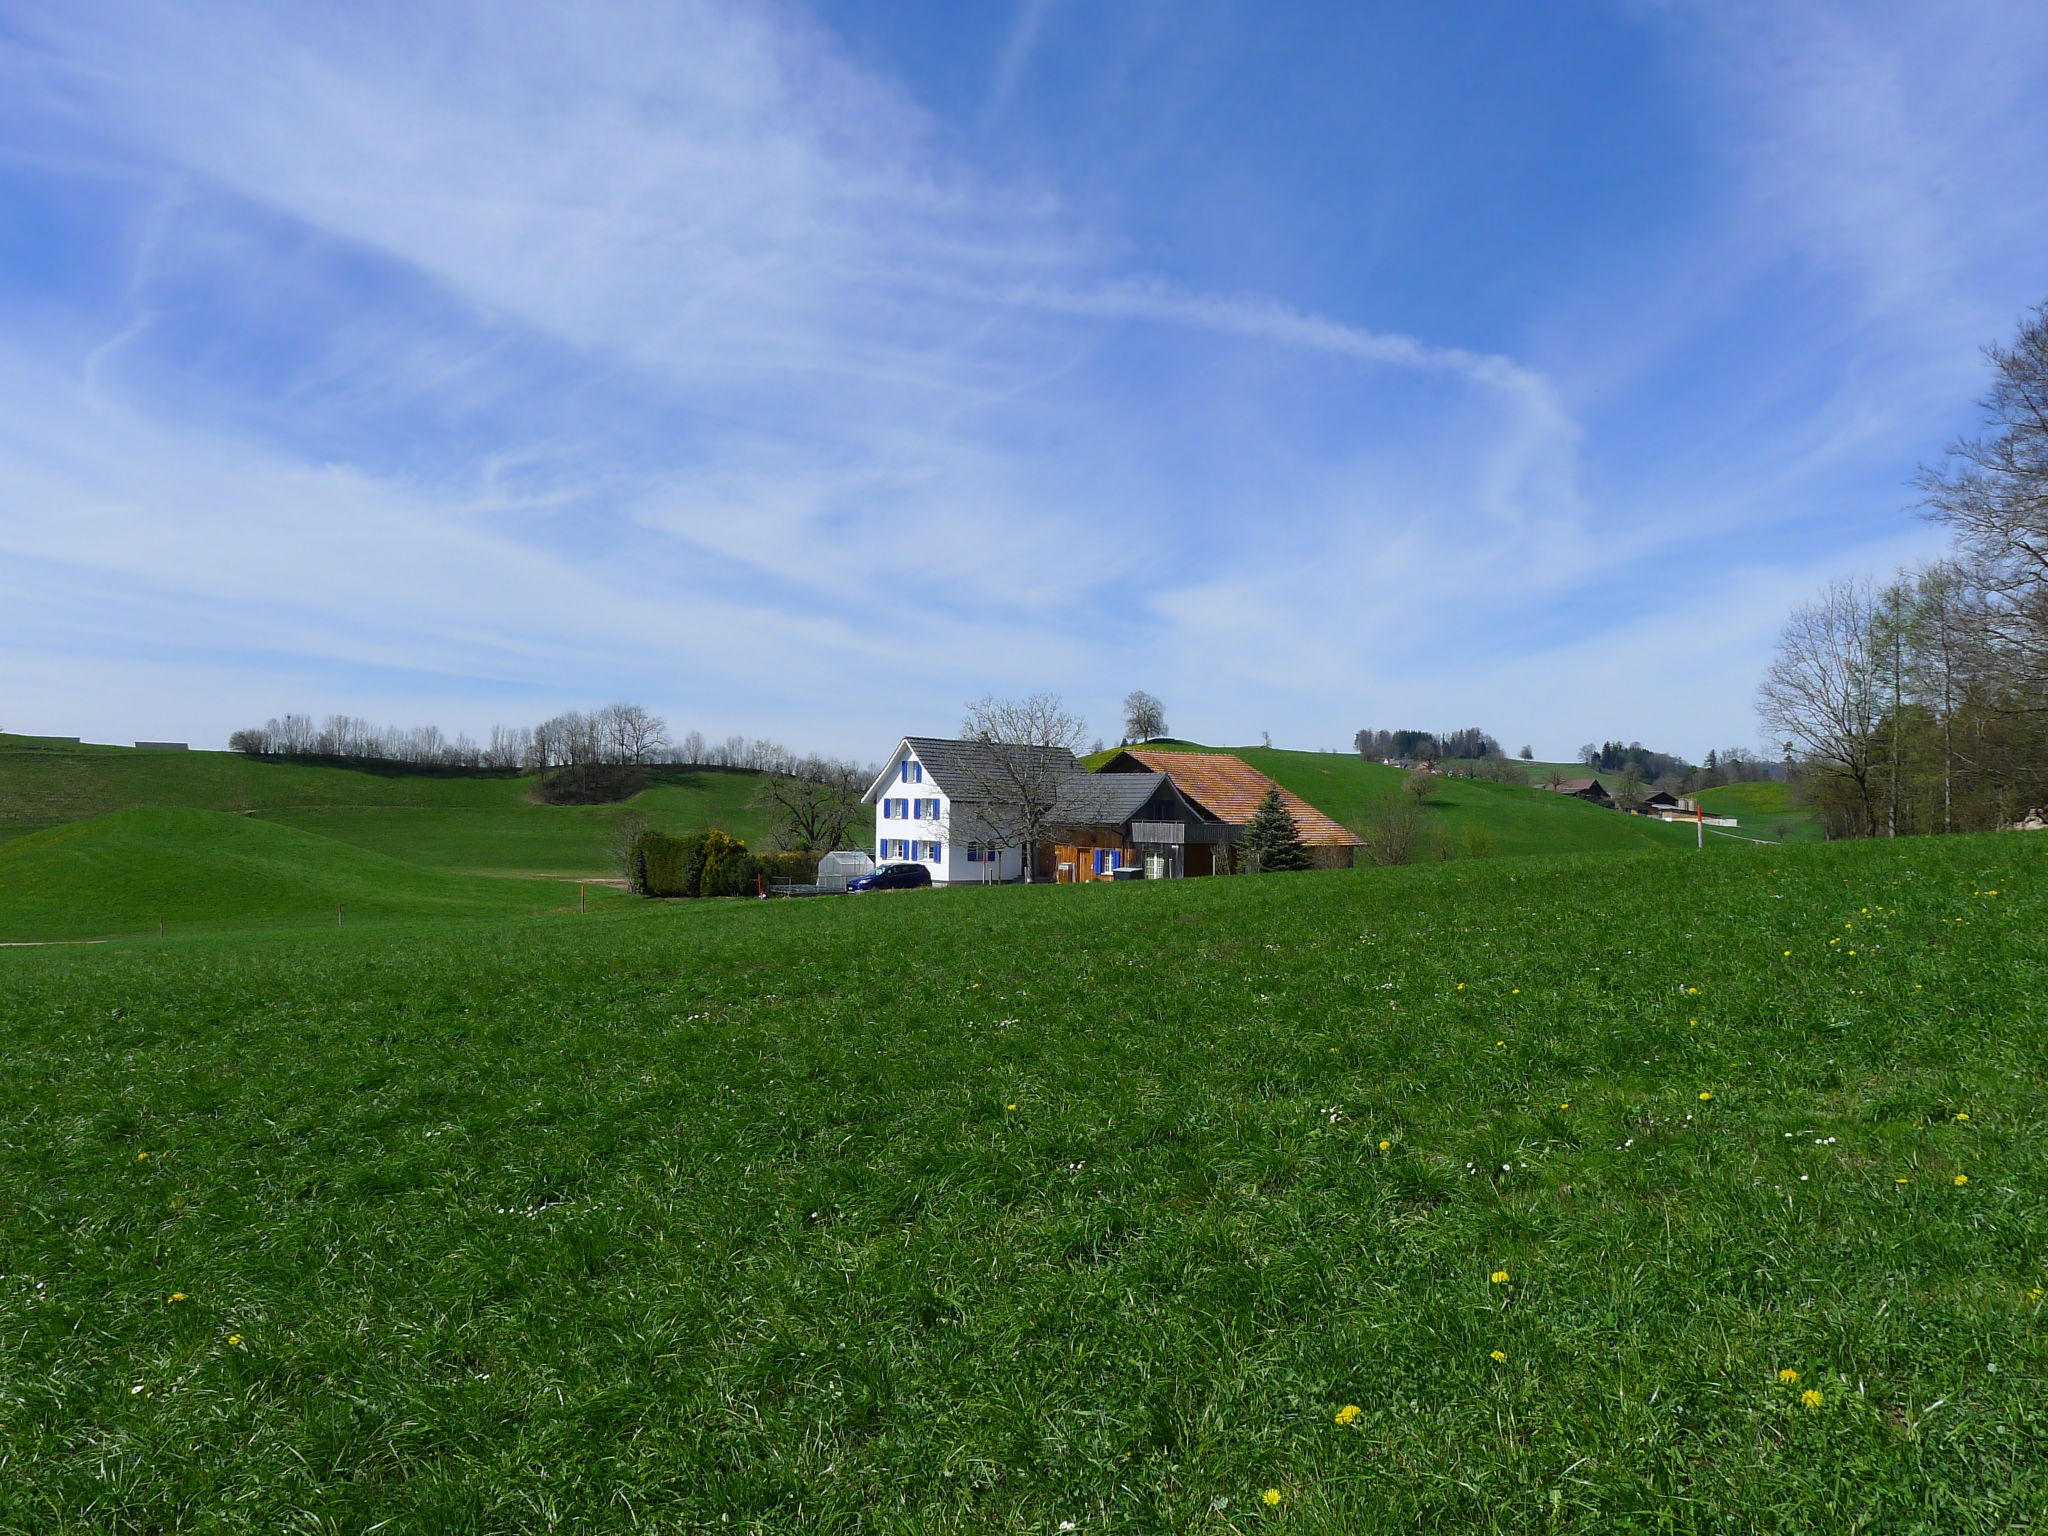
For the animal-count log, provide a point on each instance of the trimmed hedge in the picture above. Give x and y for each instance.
(700, 864)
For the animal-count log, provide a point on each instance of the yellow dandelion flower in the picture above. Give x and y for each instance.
(1692, 991)
(1386, 1146)
(142, 1157)
(1461, 986)
(1348, 1412)
(1498, 1357)
(1515, 992)
(1902, 1181)
(1009, 1106)
(1811, 1398)
(2035, 1294)
(1500, 1042)
(1704, 1097)
(1788, 1374)
(1567, 1104)
(234, 1339)
(1499, 1277)
(1964, 1115)
(1271, 1497)
(177, 1296)
(1961, 1178)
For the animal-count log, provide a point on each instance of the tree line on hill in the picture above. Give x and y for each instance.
(1921, 704)
(597, 756)
(1425, 746)
(616, 735)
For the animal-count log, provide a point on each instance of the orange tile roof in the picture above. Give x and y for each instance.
(1231, 788)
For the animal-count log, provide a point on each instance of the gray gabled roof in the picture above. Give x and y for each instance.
(1106, 799)
(979, 770)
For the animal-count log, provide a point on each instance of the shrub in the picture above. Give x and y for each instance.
(720, 872)
(660, 865)
(590, 784)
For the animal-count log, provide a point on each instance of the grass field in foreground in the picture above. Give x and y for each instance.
(995, 1210)
(206, 870)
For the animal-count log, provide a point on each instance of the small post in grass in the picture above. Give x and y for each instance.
(337, 916)
(1699, 816)
(582, 897)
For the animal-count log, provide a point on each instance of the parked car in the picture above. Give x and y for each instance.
(893, 877)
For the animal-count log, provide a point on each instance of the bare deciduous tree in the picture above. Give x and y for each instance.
(1144, 716)
(807, 813)
(1822, 689)
(1027, 787)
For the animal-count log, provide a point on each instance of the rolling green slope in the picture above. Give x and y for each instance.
(1762, 808)
(1587, 1195)
(477, 821)
(193, 870)
(1479, 818)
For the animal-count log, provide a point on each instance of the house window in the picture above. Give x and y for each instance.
(934, 852)
(917, 773)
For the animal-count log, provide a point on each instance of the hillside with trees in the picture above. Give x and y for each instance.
(1921, 704)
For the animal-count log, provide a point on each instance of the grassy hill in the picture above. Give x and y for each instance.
(482, 822)
(1490, 1197)
(126, 872)
(1762, 808)
(1476, 817)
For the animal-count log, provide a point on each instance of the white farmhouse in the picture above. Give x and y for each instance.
(944, 804)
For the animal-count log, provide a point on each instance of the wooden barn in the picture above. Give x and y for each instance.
(1227, 790)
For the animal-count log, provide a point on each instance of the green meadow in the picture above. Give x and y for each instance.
(1762, 808)
(1622, 1192)
(473, 821)
(184, 871)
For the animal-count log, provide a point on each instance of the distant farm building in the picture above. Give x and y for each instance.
(1589, 790)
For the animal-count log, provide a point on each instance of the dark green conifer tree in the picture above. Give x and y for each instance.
(1271, 841)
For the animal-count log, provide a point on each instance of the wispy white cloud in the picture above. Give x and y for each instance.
(659, 348)
(1020, 47)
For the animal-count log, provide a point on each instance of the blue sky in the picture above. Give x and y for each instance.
(808, 372)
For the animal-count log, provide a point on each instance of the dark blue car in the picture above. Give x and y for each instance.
(892, 877)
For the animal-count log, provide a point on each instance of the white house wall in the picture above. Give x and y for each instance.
(952, 830)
